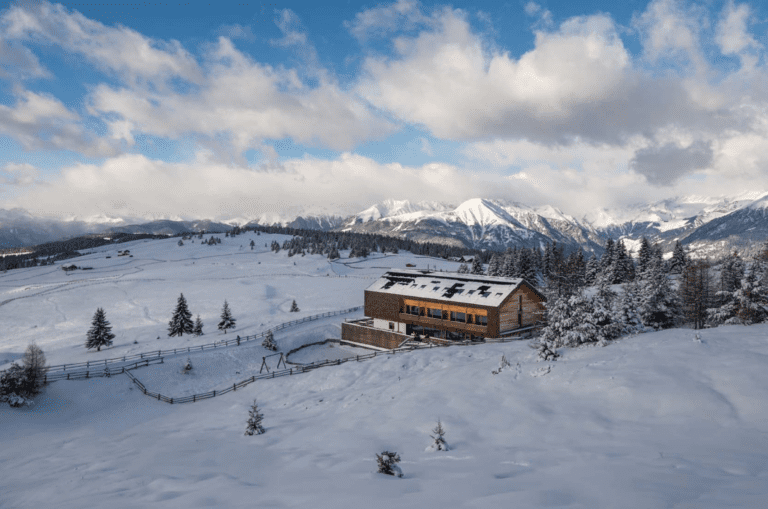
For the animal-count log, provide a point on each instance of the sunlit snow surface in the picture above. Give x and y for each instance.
(653, 421)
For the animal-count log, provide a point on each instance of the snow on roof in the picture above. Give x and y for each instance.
(450, 286)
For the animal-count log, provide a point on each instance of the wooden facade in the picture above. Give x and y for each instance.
(442, 318)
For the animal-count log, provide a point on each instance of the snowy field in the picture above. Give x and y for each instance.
(652, 421)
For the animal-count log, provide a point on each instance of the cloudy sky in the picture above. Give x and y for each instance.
(231, 110)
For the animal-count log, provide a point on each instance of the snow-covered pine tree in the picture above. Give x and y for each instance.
(181, 321)
(294, 307)
(749, 300)
(100, 333)
(180, 243)
(494, 265)
(526, 268)
(255, 417)
(198, 330)
(679, 259)
(252, 245)
(568, 322)
(643, 255)
(269, 342)
(463, 269)
(227, 321)
(606, 261)
(627, 308)
(603, 314)
(509, 267)
(387, 463)
(592, 270)
(439, 443)
(477, 266)
(187, 366)
(660, 306)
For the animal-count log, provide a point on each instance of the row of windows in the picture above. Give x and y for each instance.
(453, 316)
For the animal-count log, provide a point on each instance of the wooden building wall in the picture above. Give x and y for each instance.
(525, 299)
(370, 336)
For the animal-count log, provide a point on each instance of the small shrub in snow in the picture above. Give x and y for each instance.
(439, 443)
(187, 366)
(503, 363)
(545, 352)
(387, 462)
(269, 342)
(294, 307)
(254, 421)
(19, 384)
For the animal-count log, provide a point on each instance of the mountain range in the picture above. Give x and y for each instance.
(707, 226)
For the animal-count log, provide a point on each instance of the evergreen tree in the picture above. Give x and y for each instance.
(463, 269)
(643, 255)
(100, 333)
(749, 300)
(294, 307)
(181, 321)
(255, 417)
(269, 342)
(525, 266)
(439, 443)
(180, 243)
(592, 270)
(627, 310)
(509, 267)
(660, 307)
(227, 322)
(198, 330)
(494, 266)
(187, 366)
(696, 292)
(252, 245)
(477, 266)
(679, 259)
(569, 322)
(606, 261)
(387, 463)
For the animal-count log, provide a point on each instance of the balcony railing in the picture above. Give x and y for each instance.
(425, 320)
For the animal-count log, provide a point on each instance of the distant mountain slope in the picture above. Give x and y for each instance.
(168, 227)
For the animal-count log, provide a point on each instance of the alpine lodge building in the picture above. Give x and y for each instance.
(444, 305)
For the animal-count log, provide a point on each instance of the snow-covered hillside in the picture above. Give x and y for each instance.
(653, 421)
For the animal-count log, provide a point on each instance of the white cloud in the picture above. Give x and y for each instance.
(40, 121)
(733, 35)
(18, 174)
(245, 102)
(446, 81)
(385, 19)
(135, 186)
(127, 53)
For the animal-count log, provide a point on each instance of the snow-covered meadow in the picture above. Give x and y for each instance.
(655, 420)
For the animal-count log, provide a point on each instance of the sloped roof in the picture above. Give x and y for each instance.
(449, 286)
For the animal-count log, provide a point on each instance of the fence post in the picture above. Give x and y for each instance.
(194, 397)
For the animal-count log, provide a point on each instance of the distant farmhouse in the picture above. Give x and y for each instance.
(444, 305)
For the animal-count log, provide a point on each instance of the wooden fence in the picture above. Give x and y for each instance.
(173, 351)
(303, 368)
(95, 372)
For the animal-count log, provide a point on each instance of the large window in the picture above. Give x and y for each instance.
(434, 313)
(458, 317)
(481, 320)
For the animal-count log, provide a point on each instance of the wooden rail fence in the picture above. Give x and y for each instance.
(303, 368)
(173, 351)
